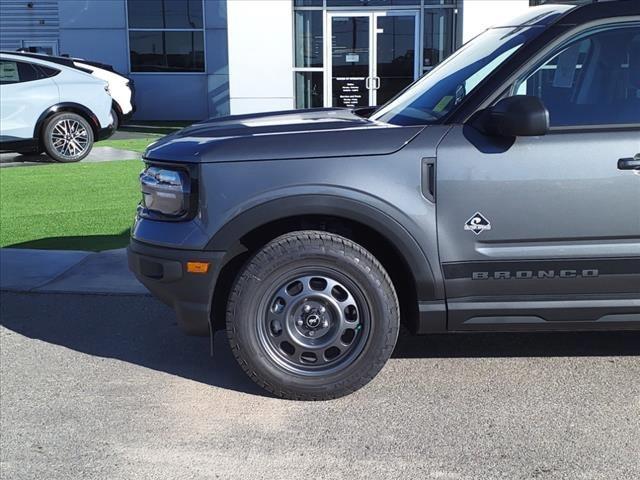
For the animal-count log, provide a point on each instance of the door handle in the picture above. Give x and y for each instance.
(367, 83)
(377, 80)
(429, 179)
(629, 163)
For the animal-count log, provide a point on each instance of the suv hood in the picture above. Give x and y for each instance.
(326, 132)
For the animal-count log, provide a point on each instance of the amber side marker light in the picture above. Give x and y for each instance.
(198, 267)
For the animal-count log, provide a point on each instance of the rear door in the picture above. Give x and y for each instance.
(25, 94)
(545, 232)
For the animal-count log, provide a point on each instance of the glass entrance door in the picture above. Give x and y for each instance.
(350, 60)
(397, 62)
(370, 56)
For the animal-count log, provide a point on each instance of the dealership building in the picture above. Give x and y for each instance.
(193, 59)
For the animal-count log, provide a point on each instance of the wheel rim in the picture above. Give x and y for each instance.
(69, 138)
(314, 323)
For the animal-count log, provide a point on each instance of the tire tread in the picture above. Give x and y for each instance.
(290, 244)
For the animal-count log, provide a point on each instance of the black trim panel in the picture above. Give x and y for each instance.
(608, 266)
(105, 133)
(163, 272)
(341, 207)
(26, 145)
(595, 312)
(432, 318)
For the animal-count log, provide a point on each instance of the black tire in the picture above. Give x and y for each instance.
(264, 308)
(67, 137)
(116, 119)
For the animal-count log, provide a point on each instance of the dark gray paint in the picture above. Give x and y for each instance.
(558, 198)
(282, 135)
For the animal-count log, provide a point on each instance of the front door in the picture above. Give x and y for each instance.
(545, 232)
(371, 56)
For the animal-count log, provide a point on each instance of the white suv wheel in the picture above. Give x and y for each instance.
(68, 137)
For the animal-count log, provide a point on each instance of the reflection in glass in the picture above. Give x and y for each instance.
(165, 14)
(440, 2)
(309, 87)
(308, 38)
(438, 93)
(439, 36)
(395, 54)
(370, 3)
(350, 61)
(166, 51)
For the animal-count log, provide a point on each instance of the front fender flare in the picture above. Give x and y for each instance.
(428, 285)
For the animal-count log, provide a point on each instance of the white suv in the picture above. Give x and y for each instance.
(121, 87)
(49, 107)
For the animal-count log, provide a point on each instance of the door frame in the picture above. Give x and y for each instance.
(373, 16)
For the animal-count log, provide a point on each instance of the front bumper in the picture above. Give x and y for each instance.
(127, 116)
(105, 133)
(163, 271)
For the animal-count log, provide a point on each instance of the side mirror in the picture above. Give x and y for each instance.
(518, 116)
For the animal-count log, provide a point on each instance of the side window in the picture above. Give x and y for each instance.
(48, 72)
(593, 80)
(18, 72)
(9, 72)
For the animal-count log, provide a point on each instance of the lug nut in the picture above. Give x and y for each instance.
(322, 309)
(300, 322)
(312, 333)
(307, 308)
(325, 324)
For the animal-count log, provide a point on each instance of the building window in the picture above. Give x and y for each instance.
(439, 36)
(308, 61)
(535, 3)
(166, 35)
(309, 87)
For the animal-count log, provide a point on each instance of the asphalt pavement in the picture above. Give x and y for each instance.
(106, 387)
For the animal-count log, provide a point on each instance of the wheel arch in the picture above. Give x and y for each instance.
(71, 107)
(116, 108)
(377, 231)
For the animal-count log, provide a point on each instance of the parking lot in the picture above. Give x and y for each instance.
(98, 386)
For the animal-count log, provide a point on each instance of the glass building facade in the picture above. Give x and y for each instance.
(196, 59)
(360, 53)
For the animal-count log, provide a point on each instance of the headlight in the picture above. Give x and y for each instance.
(166, 193)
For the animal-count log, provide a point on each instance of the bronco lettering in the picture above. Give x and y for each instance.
(530, 274)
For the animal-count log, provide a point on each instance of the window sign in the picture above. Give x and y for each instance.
(350, 91)
(9, 72)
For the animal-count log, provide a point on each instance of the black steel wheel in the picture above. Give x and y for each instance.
(314, 322)
(312, 316)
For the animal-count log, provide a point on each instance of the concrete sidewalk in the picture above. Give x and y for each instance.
(61, 271)
(97, 155)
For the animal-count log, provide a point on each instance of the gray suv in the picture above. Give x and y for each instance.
(501, 192)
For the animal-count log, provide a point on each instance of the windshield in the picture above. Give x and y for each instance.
(438, 92)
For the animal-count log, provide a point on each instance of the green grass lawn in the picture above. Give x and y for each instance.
(134, 144)
(78, 206)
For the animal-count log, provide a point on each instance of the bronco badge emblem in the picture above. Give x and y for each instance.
(478, 224)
